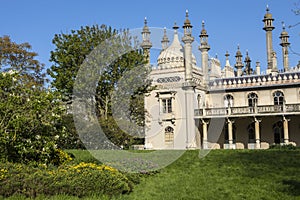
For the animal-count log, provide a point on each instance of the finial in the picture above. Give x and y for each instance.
(186, 13)
(175, 27)
(247, 52)
(227, 54)
(216, 56)
(267, 9)
(283, 25)
(203, 24)
(238, 47)
(145, 21)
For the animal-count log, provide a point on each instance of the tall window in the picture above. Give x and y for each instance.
(169, 134)
(167, 105)
(228, 101)
(252, 99)
(278, 98)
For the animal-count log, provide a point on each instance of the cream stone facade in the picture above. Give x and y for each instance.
(189, 102)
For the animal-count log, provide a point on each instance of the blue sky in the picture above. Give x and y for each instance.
(228, 23)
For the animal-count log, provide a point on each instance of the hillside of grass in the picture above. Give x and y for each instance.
(222, 174)
(226, 174)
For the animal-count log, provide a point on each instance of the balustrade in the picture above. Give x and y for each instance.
(248, 110)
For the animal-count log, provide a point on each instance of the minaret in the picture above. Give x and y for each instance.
(285, 43)
(188, 86)
(188, 39)
(248, 69)
(257, 68)
(238, 62)
(268, 27)
(204, 48)
(146, 44)
(165, 40)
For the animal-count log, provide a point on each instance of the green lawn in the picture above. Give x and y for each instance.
(222, 174)
(226, 174)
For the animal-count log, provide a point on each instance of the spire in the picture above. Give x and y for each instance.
(188, 39)
(248, 69)
(203, 36)
(146, 44)
(284, 37)
(165, 40)
(204, 48)
(187, 22)
(268, 27)
(175, 27)
(239, 64)
(187, 26)
(227, 64)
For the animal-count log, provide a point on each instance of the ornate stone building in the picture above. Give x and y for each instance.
(252, 109)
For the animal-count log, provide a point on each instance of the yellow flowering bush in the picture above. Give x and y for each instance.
(80, 180)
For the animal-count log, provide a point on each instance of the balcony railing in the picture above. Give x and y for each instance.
(246, 110)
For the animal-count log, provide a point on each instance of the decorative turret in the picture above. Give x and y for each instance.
(238, 62)
(284, 37)
(204, 48)
(274, 70)
(188, 39)
(268, 27)
(257, 68)
(228, 70)
(248, 70)
(146, 44)
(165, 40)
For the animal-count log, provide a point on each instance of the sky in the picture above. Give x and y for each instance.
(229, 23)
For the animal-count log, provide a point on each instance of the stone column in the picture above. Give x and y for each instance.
(285, 130)
(230, 134)
(204, 132)
(257, 133)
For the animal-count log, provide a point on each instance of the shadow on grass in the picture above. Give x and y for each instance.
(293, 187)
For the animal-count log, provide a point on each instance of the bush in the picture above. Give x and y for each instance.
(284, 147)
(83, 179)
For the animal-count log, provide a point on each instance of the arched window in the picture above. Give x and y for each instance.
(228, 101)
(252, 99)
(251, 132)
(278, 98)
(169, 134)
(278, 132)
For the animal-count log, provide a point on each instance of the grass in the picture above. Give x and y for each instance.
(222, 174)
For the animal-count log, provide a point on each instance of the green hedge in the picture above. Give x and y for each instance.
(79, 180)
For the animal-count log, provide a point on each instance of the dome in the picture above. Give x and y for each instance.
(268, 16)
(284, 33)
(173, 56)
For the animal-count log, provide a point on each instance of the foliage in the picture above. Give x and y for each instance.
(283, 147)
(116, 135)
(81, 48)
(30, 122)
(69, 139)
(79, 180)
(71, 49)
(19, 58)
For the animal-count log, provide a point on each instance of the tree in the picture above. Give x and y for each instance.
(74, 50)
(19, 58)
(71, 49)
(30, 115)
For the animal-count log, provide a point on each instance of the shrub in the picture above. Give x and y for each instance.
(79, 180)
(284, 147)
